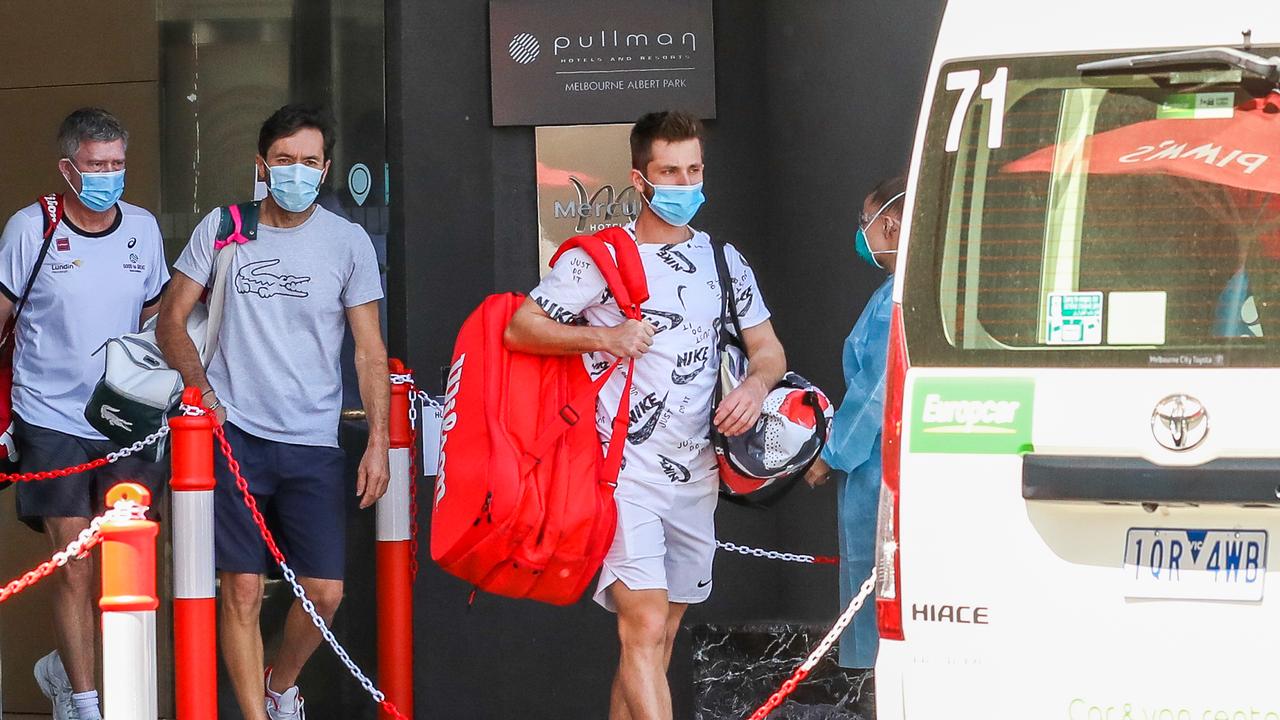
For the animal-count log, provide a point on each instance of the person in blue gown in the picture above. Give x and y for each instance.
(852, 455)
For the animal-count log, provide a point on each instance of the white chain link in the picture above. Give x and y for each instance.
(139, 446)
(405, 379)
(824, 647)
(329, 638)
(191, 410)
(761, 553)
(122, 510)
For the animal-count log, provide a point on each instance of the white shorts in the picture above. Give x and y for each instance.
(666, 540)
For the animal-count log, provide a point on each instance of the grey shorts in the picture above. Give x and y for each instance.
(80, 495)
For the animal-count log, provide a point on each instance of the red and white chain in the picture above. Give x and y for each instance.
(76, 549)
(234, 466)
(775, 555)
(818, 653)
(110, 458)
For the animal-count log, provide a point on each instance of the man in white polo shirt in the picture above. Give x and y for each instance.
(101, 277)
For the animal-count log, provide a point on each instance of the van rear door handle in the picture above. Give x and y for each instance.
(1109, 479)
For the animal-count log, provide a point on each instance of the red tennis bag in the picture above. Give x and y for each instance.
(51, 210)
(524, 497)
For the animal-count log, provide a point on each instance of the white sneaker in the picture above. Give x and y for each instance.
(287, 705)
(51, 676)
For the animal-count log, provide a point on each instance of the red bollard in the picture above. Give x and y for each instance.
(395, 578)
(128, 606)
(194, 607)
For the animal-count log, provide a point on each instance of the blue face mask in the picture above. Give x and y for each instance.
(863, 247)
(295, 187)
(99, 190)
(675, 204)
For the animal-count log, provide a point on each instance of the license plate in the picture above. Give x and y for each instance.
(1195, 564)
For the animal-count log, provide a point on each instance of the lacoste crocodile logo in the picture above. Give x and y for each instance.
(662, 321)
(112, 416)
(649, 410)
(676, 472)
(251, 280)
(697, 359)
(676, 260)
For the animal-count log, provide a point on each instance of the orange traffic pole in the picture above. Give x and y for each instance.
(194, 606)
(128, 606)
(395, 577)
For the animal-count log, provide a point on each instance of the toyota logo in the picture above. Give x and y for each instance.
(1179, 422)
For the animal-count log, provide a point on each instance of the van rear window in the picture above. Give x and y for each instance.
(1129, 220)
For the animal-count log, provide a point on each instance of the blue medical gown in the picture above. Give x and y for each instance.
(854, 448)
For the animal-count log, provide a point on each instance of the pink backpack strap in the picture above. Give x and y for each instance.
(237, 230)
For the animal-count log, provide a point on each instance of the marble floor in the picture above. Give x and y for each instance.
(738, 667)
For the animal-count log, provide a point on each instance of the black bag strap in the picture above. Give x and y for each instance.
(728, 303)
(51, 211)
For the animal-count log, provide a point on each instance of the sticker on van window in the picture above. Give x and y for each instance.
(1074, 318)
(972, 415)
(1136, 318)
(1197, 106)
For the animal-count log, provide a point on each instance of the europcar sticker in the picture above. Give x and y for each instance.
(990, 416)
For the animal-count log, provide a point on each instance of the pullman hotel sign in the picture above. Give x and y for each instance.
(570, 62)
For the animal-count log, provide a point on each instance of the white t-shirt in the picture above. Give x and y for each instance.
(91, 287)
(668, 437)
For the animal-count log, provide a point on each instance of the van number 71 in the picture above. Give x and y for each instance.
(994, 91)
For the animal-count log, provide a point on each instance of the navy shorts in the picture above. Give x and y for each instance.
(300, 489)
(83, 495)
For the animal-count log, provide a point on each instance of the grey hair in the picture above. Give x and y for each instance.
(89, 123)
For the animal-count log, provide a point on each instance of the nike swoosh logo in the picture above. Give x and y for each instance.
(662, 321)
(680, 294)
(704, 583)
(642, 435)
(676, 260)
(676, 472)
(684, 379)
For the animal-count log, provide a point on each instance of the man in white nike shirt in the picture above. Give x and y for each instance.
(660, 560)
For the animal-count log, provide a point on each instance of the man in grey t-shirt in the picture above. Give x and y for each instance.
(276, 385)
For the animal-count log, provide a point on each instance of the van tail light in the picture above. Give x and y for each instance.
(888, 521)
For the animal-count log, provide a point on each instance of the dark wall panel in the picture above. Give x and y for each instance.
(817, 101)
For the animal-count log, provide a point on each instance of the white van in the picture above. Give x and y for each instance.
(1082, 440)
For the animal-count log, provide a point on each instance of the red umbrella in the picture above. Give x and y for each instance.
(1242, 151)
(1235, 162)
